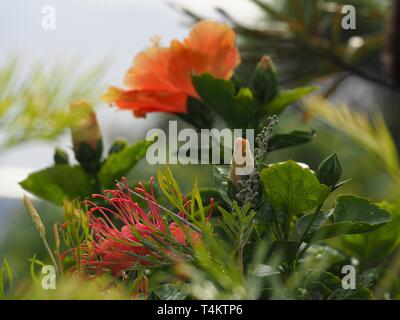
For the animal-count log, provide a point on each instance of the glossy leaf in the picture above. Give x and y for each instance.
(303, 222)
(352, 215)
(119, 164)
(364, 215)
(237, 109)
(60, 182)
(292, 188)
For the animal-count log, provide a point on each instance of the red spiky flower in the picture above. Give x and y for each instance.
(117, 249)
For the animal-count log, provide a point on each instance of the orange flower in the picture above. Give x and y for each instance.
(160, 78)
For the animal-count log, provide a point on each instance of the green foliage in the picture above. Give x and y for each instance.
(6, 278)
(60, 182)
(55, 184)
(236, 108)
(291, 139)
(329, 286)
(369, 131)
(265, 249)
(286, 98)
(292, 188)
(118, 164)
(242, 107)
(94, 173)
(351, 215)
(373, 248)
(34, 105)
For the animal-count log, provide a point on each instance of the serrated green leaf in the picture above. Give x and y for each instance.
(352, 215)
(292, 188)
(119, 164)
(364, 215)
(56, 183)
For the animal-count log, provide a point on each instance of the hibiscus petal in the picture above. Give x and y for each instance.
(217, 42)
(141, 102)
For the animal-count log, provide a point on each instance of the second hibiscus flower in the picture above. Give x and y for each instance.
(160, 77)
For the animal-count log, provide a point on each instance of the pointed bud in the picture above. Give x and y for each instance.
(330, 171)
(86, 137)
(60, 156)
(265, 80)
(118, 145)
(242, 162)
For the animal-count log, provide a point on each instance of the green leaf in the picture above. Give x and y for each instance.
(56, 183)
(282, 251)
(119, 164)
(285, 98)
(292, 188)
(237, 109)
(198, 114)
(292, 139)
(364, 215)
(330, 171)
(330, 286)
(352, 215)
(303, 222)
(329, 231)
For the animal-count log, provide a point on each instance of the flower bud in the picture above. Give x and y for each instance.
(265, 80)
(86, 136)
(60, 156)
(117, 146)
(329, 171)
(242, 162)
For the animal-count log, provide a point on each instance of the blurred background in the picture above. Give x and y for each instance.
(93, 45)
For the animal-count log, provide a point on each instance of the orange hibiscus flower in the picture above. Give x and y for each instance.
(160, 78)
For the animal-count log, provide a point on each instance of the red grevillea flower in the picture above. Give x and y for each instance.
(160, 77)
(117, 249)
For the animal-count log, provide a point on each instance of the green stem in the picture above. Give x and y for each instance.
(51, 254)
(287, 226)
(304, 235)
